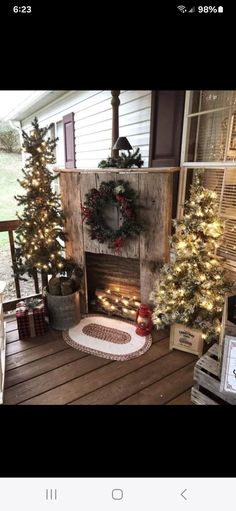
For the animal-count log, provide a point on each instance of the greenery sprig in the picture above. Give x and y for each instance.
(123, 161)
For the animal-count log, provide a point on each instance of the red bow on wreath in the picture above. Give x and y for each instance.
(129, 213)
(118, 243)
(120, 199)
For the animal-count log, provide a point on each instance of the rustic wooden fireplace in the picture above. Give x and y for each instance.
(135, 268)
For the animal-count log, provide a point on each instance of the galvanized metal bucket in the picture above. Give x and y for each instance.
(63, 311)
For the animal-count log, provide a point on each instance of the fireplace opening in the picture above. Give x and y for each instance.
(113, 285)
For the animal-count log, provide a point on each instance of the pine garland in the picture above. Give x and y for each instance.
(191, 289)
(123, 197)
(123, 161)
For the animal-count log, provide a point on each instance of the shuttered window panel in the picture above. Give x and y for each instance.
(211, 99)
(223, 182)
(213, 180)
(228, 247)
(209, 137)
(228, 202)
(212, 136)
(228, 212)
(212, 126)
(69, 140)
(166, 128)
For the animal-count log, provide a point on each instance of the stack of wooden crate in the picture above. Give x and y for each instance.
(228, 327)
(2, 341)
(206, 381)
(207, 372)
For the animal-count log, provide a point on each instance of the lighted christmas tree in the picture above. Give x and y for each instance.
(191, 289)
(40, 233)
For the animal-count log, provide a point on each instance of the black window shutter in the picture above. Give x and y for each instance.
(166, 128)
(69, 140)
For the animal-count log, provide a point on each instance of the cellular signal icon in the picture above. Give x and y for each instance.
(192, 10)
(182, 8)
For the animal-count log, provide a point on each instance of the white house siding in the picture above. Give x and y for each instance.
(93, 123)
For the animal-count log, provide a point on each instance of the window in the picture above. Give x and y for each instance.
(57, 132)
(209, 142)
(60, 153)
(211, 126)
(52, 135)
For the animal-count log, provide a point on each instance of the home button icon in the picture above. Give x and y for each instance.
(117, 494)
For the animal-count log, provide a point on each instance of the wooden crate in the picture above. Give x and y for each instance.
(186, 339)
(206, 387)
(227, 328)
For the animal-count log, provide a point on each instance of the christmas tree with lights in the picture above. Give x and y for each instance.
(40, 234)
(191, 289)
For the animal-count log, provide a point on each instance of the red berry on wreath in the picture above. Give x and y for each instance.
(86, 213)
(119, 198)
(118, 243)
(129, 212)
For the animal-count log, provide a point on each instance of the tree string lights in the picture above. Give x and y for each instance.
(40, 230)
(191, 289)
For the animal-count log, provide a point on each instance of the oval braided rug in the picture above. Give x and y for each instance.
(107, 337)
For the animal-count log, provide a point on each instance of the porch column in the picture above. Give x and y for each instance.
(115, 121)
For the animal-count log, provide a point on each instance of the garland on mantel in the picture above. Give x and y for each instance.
(123, 197)
(123, 161)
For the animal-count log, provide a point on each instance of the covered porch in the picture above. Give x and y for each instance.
(171, 129)
(46, 370)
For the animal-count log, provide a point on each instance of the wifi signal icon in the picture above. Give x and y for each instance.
(182, 8)
(192, 10)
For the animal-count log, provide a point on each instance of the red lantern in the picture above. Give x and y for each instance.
(144, 320)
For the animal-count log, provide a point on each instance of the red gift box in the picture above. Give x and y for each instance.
(30, 318)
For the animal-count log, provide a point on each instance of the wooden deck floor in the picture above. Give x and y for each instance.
(45, 370)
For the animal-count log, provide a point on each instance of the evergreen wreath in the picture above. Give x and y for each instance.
(123, 197)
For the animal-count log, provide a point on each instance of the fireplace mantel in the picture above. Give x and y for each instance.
(143, 170)
(157, 188)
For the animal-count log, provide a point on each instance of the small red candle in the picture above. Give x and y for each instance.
(144, 320)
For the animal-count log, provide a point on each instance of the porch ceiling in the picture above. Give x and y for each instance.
(27, 105)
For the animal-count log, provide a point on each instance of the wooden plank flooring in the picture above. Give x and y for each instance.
(45, 370)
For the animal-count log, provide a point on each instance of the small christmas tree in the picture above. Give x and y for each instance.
(191, 289)
(41, 222)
